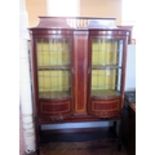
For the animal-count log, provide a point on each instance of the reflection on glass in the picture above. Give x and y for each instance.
(53, 58)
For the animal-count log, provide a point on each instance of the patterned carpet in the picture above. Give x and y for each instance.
(93, 147)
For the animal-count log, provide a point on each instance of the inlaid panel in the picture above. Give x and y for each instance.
(80, 71)
(55, 107)
(105, 108)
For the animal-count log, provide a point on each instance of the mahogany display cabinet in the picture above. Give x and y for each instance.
(78, 69)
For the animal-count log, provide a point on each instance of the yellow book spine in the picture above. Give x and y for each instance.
(94, 53)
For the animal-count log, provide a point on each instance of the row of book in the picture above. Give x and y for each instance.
(103, 79)
(53, 80)
(104, 52)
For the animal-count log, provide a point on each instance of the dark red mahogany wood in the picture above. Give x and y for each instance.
(79, 32)
(80, 106)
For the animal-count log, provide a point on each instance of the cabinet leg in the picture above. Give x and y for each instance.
(38, 151)
(37, 134)
(119, 131)
(115, 127)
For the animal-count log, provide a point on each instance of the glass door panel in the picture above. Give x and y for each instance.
(103, 79)
(103, 83)
(53, 52)
(106, 67)
(54, 84)
(54, 73)
(104, 52)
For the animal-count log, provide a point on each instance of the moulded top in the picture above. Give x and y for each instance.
(76, 22)
(81, 23)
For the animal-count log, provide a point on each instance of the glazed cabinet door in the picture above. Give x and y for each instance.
(53, 56)
(106, 65)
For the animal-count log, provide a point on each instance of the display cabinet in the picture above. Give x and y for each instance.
(78, 69)
(106, 65)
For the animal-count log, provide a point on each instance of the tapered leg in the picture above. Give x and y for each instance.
(37, 133)
(38, 151)
(119, 131)
(115, 127)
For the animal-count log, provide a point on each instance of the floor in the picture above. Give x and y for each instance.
(95, 147)
(81, 144)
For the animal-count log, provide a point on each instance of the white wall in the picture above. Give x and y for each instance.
(130, 68)
(25, 84)
(63, 8)
(101, 8)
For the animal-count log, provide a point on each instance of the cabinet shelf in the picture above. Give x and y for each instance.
(54, 95)
(106, 67)
(105, 94)
(41, 68)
